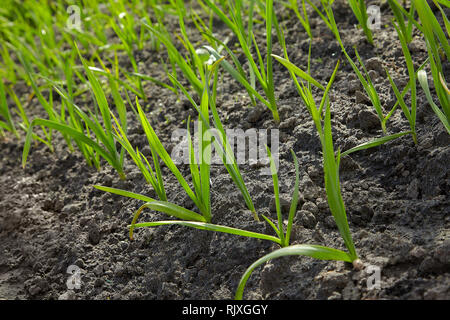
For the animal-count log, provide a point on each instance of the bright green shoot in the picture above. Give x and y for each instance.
(410, 114)
(322, 15)
(370, 89)
(200, 169)
(152, 177)
(431, 28)
(336, 204)
(307, 250)
(220, 140)
(305, 91)
(177, 59)
(331, 172)
(48, 106)
(201, 200)
(324, 134)
(82, 133)
(196, 224)
(424, 84)
(360, 11)
(303, 17)
(194, 220)
(375, 142)
(200, 172)
(284, 237)
(406, 29)
(20, 111)
(258, 70)
(437, 44)
(7, 64)
(125, 31)
(8, 123)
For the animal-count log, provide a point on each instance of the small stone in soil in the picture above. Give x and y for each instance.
(288, 123)
(368, 120)
(94, 234)
(311, 207)
(353, 85)
(361, 98)
(254, 115)
(373, 75)
(307, 219)
(72, 208)
(99, 282)
(375, 64)
(284, 205)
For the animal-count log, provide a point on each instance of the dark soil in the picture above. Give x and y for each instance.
(396, 195)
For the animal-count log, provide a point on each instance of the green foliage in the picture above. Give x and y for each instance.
(360, 11)
(438, 47)
(336, 204)
(260, 71)
(59, 65)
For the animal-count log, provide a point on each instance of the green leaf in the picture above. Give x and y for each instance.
(64, 129)
(332, 186)
(375, 142)
(167, 208)
(124, 193)
(313, 251)
(174, 210)
(4, 111)
(238, 77)
(294, 201)
(276, 191)
(422, 76)
(299, 72)
(222, 145)
(156, 144)
(209, 227)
